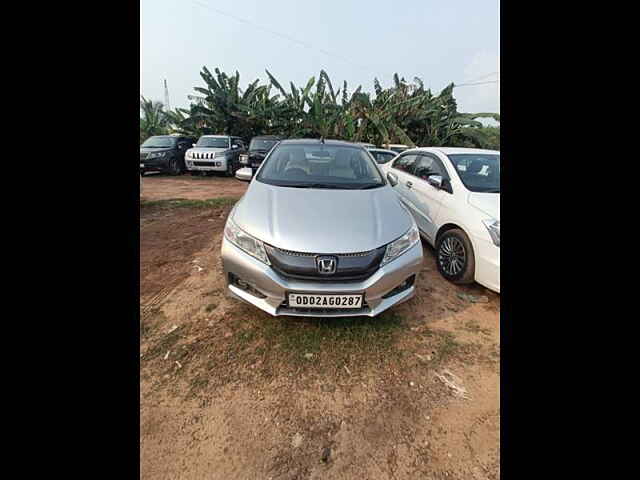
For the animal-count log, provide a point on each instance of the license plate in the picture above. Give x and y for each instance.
(142, 165)
(308, 300)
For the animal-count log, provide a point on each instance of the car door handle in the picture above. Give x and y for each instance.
(409, 184)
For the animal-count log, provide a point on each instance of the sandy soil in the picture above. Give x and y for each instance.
(157, 186)
(228, 392)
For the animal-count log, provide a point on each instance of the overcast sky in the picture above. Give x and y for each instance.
(439, 41)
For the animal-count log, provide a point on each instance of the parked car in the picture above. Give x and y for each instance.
(320, 232)
(215, 153)
(396, 147)
(381, 155)
(454, 196)
(258, 149)
(164, 153)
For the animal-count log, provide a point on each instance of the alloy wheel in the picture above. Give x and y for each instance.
(452, 256)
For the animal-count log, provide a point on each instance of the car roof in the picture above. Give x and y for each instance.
(267, 136)
(454, 150)
(216, 136)
(316, 141)
(383, 150)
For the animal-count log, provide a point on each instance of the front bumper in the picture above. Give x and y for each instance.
(213, 165)
(155, 164)
(487, 257)
(275, 287)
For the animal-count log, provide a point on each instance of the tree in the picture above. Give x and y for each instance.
(405, 112)
(153, 120)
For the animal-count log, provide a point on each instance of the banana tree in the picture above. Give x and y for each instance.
(153, 120)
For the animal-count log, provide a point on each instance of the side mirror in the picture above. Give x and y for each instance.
(393, 179)
(193, 144)
(245, 174)
(435, 180)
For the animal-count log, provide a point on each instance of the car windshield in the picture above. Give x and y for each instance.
(478, 172)
(259, 144)
(159, 142)
(320, 166)
(382, 157)
(213, 142)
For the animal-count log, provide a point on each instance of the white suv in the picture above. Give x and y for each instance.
(454, 196)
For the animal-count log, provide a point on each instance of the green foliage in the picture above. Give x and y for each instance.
(404, 113)
(153, 120)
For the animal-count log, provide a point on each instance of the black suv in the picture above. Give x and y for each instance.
(164, 153)
(258, 149)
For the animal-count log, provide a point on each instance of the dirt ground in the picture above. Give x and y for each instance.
(157, 186)
(228, 392)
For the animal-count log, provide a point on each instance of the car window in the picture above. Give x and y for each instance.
(320, 166)
(478, 172)
(426, 166)
(159, 142)
(405, 163)
(382, 157)
(262, 144)
(213, 142)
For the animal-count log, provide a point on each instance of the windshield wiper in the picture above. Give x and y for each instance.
(369, 185)
(493, 190)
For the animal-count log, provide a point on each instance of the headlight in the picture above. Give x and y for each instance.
(402, 244)
(494, 230)
(157, 155)
(244, 159)
(245, 242)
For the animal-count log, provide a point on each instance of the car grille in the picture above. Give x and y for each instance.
(203, 155)
(302, 265)
(206, 164)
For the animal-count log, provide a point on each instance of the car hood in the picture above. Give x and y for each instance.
(488, 203)
(154, 150)
(207, 150)
(322, 220)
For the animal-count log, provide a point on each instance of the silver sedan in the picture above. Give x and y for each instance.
(320, 232)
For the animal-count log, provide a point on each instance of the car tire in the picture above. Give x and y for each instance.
(454, 257)
(230, 168)
(174, 167)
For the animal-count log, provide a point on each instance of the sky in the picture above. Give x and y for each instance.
(439, 41)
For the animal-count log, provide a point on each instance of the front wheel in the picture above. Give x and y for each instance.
(455, 258)
(230, 168)
(174, 167)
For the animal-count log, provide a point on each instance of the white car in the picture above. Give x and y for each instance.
(454, 196)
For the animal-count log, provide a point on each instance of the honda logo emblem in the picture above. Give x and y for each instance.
(326, 265)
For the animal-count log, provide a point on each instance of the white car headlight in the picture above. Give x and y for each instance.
(402, 244)
(157, 155)
(245, 242)
(494, 230)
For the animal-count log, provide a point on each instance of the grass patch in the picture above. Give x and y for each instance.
(164, 344)
(185, 203)
(443, 343)
(337, 341)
